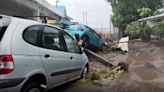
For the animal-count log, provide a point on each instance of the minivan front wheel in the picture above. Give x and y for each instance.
(33, 87)
(85, 72)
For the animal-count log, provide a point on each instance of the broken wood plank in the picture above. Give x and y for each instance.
(122, 65)
(101, 59)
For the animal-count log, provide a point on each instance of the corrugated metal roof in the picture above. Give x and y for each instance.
(156, 17)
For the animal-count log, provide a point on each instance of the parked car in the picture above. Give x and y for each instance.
(35, 57)
(90, 38)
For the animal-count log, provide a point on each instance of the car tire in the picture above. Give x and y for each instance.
(123, 66)
(85, 43)
(33, 87)
(85, 72)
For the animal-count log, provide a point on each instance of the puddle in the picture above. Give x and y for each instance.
(162, 58)
(149, 66)
(141, 57)
(129, 60)
(145, 73)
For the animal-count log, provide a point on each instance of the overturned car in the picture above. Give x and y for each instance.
(90, 39)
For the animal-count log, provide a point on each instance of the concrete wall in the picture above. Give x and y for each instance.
(151, 23)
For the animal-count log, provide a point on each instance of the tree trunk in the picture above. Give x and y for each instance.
(120, 33)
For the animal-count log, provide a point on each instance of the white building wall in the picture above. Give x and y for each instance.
(29, 8)
(151, 23)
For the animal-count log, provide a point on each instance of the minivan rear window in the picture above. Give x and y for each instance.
(4, 23)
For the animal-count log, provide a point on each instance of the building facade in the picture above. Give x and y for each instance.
(30, 9)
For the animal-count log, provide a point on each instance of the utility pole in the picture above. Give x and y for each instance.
(102, 28)
(57, 3)
(110, 26)
(85, 18)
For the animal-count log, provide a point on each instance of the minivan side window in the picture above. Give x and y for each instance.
(4, 23)
(31, 34)
(77, 47)
(52, 39)
(69, 43)
(72, 47)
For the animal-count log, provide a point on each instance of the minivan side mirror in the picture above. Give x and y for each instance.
(82, 49)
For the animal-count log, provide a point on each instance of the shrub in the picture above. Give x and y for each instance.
(159, 28)
(96, 76)
(134, 29)
(144, 12)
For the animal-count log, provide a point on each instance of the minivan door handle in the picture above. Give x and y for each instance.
(47, 56)
(71, 58)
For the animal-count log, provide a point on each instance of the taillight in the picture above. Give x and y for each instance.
(77, 37)
(6, 64)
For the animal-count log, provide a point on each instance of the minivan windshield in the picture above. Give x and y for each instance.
(4, 23)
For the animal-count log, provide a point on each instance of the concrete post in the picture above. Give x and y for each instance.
(36, 15)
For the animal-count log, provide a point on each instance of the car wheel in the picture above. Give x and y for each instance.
(85, 40)
(85, 72)
(123, 66)
(33, 87)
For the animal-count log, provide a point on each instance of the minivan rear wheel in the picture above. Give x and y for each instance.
(33, 87)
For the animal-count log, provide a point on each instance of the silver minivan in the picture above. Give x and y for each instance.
(35, 57)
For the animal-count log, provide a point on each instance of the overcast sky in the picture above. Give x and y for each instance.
(98, 11)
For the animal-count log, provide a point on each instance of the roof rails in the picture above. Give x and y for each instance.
(43, 18)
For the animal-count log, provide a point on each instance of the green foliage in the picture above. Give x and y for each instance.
(96, 82)
(159, 28)
(145, 33)
(95, 77)
(117, 20)
(125, 11)
(134, 29)
(111, 74)
(144, 12)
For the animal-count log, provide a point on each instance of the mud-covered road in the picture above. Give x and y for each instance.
(146, 71)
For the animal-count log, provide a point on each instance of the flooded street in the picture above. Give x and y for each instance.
(146, 70)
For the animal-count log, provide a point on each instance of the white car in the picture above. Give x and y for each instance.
(35, 57)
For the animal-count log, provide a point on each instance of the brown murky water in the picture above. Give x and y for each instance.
(146, 71)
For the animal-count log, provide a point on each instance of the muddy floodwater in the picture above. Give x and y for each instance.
(146, 70)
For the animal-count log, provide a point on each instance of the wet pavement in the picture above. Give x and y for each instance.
(146, 71)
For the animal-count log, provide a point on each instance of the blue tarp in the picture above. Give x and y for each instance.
(65, 21)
